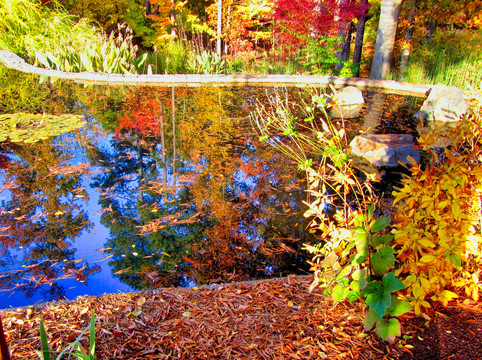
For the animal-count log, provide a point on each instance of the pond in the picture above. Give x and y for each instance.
(138, 188)
(151, 187)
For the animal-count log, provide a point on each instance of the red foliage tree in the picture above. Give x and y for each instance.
(300, 19)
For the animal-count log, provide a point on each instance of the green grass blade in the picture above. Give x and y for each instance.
(92, 336)
(45, 344)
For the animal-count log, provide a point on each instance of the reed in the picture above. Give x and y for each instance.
(452, 59)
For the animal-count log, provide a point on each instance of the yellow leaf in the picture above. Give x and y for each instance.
(427, 258)
(475, 278)
(455, 210)
(426, 243)
(425, 283)
(447, 296)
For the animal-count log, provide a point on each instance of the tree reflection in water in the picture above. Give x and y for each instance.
(217, 210)
(42, 215)
(186, 192)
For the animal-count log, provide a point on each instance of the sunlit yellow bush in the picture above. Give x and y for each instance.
(438, 213)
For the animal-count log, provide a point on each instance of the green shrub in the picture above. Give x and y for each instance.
(207, 62)
(172, 57)
(54, 39)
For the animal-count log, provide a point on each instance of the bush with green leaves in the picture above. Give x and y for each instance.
(354, 258)
(207, 62)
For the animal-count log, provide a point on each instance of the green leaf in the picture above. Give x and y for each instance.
(379, 301)
(352, 296)
(391, 283)
(371, 288)
(371, 210)
(399, 307)
(362, 239)
(381, 240)
(370, 319)
(383, 259)
(388, 329)
(379, 224)
(361, 256)
(358, 221)
(92, 336)
(86, 62)
(360, 276)
(343, 274)
(339, 292)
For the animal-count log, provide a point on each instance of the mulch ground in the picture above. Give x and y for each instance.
(270, 319)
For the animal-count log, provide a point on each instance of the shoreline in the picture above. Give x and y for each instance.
(15, 62)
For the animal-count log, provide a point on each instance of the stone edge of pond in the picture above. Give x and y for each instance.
(15, 62)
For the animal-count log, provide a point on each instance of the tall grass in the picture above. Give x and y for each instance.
(172, 57)
(452, 59)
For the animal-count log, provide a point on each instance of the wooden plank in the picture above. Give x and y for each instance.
(193, 80)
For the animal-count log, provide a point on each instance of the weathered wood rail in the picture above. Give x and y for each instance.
(193, 80)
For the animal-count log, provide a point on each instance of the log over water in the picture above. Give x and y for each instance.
(13, 61)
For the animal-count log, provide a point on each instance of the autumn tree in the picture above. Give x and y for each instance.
(321, 28)
(245, 25)
(111, 13)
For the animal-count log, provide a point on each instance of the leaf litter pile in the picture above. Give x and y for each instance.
(267, 319)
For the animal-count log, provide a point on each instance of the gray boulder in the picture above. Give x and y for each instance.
(350, 102)
(444, 103)
(385, 149)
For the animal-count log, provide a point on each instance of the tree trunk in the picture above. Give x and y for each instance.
(407, 46)
(345, 53)
(387, 28)
(220, 19)
(163, 144)
(228, 18)
(341, 33)
(148, 7)
(173, 21)
(140, 170)
(360, 33)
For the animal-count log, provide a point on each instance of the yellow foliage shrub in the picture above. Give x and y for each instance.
(438, 216)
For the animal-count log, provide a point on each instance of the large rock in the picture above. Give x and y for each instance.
(349, 103)
(385, 149)
(444, 103)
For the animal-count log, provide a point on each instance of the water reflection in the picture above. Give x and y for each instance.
(184, 188)
(42, 216)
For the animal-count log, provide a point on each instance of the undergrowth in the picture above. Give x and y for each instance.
(418, 254)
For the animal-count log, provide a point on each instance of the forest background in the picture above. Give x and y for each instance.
(435, 41)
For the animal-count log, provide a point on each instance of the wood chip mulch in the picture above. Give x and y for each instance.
(268, 319)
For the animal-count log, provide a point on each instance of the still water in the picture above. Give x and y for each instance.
(150, 187)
